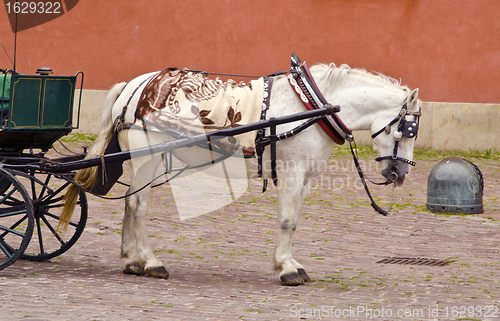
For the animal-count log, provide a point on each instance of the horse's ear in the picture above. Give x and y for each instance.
(412, 98)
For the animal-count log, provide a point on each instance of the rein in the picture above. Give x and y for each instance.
(362, 177)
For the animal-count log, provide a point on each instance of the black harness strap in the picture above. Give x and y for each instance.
(261, 141)
(120, 120)
(395, 120)
(272, 140)
(259, 146)
(362, 177)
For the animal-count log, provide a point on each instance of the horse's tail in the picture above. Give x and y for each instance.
(86, 177)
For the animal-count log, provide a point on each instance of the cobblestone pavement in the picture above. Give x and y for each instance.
(220, 263)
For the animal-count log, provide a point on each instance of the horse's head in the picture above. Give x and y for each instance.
(379, 103)
(394, 141)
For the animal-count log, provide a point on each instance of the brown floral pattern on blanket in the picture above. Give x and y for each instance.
(192, 103)
(156, 92)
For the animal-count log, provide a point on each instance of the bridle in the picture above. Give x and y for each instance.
(405, 129)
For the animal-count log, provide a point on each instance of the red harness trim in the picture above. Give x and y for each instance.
(309, 106)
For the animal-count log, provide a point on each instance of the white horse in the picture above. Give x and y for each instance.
(368, 102)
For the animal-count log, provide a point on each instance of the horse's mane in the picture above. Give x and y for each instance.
(334, 76)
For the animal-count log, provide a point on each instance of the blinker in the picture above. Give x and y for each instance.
(410, 129)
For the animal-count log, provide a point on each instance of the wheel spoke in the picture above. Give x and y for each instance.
(57, 191)
(44, 188)
(56, 217)
(51, 202)
(12, 211)
(11, 229)
(46, 213)
(51, 228)
(40, 239)
(56, 203)
(6, 249)
(11, 200)
(7, 196)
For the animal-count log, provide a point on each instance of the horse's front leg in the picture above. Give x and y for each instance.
(136, 249)
(291, 195)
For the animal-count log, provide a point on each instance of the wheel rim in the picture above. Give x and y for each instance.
(16, 219)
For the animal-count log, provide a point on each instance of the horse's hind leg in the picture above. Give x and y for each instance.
(129, 252)
(136, 250)
(291, 195)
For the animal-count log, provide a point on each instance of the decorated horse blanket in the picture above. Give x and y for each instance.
(192, 103)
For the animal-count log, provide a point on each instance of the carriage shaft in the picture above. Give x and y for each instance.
(179, 143)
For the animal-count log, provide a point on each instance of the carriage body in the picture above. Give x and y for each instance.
(36, 110)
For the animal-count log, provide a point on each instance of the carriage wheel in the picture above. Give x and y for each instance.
(16, 219)
(48, 242)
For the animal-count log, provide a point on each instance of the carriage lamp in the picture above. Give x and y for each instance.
(44, 71)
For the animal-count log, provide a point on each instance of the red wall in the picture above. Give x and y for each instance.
(449, 49)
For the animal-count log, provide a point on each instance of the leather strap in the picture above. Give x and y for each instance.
(272, 139)
(308, 92)
(361, 176)
(259, 146)
(335, 136)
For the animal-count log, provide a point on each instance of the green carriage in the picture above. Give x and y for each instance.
(36, 110)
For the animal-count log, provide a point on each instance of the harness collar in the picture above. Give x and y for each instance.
(311, 97)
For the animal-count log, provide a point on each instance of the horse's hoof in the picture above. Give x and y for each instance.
(157, 272)
(134, 268)
(303, 275)
(292, 279)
